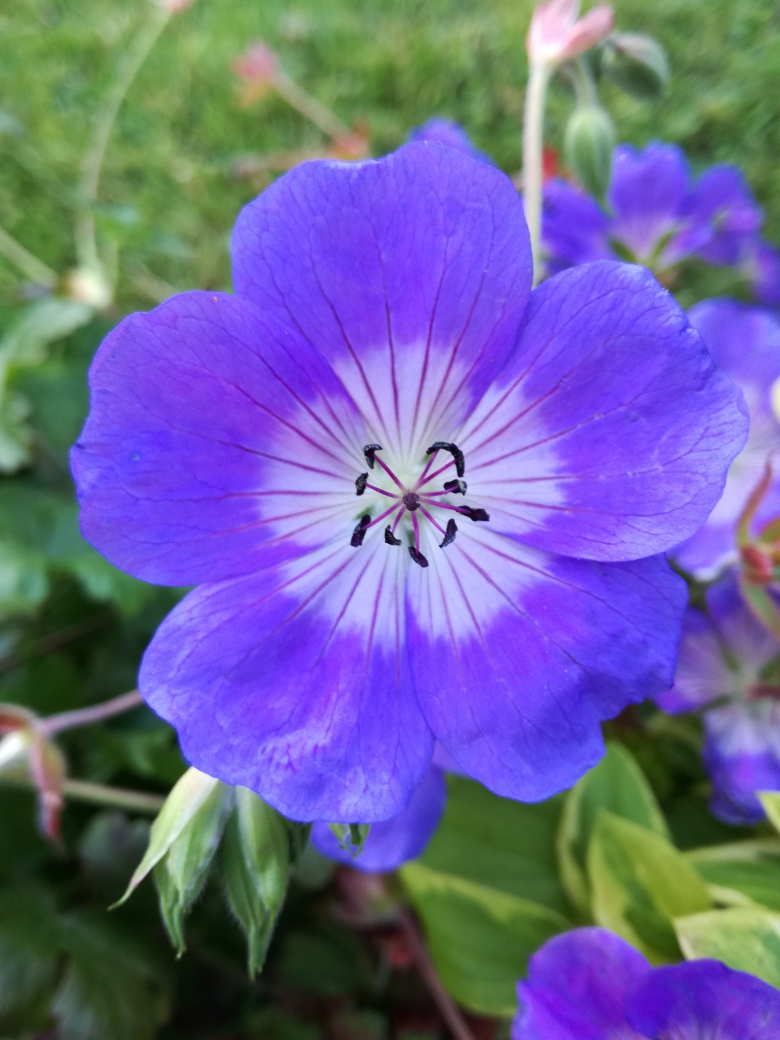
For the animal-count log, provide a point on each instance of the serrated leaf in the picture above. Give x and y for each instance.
(618, 785)
(186, 799)
(506, 845)
(744, 938)
(109, 989)
(480, 938)
(741, 872)
(639, 884)
(256, 866)
(181, 874)
(771, 803)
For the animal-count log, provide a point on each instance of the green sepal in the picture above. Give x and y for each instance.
(351, 836)
(637, 64)
(588, 144)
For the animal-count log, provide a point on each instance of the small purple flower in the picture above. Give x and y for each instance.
(416, 497)
(394, 841)
(659, 216)
(744, 342)
(589, 984)
(727, 656)
(451, 134)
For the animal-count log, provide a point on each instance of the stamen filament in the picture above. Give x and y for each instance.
(433, 475)
(435, 523)
(428, 465)
(379, 491)
(416, 527)
(389, 472)
(387, 512)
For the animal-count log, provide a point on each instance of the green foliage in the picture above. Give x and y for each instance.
(640, 883)
(480, 938)
(741, 872)
(745, 938)
(617, 785)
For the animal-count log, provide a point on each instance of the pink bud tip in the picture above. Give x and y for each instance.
(556, 34)
(175, 6)
(258, 64)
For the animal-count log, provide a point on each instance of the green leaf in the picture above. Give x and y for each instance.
(256, 864)
(44, 321)
(30, 938)
(618, 785)
(640, 883)
(498, 842)
(186, 799)
(741, 872)
(745, 938)
(110, 989)
(771, 803)
(181, 874)
(480, 938)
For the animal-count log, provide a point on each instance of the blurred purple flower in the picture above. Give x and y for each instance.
(727, 656)
(658, 216)
(452, 135)
(744, 342)
(384, 343)
(394, 841)
(589, 984)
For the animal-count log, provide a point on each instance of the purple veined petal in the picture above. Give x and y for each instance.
(216, 444)
(577, 986)
(702, 673)
(574, 227)
(295, 682)
(747, 639)
(518, 655)
(742, 755)
(744, 342)
(448, 132)
(704, 1000)
(410, 274)
(762, 264)
(719, 218)
(393, 842)
(609, 433)
(647, 195)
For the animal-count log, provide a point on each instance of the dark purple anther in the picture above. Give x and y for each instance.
(368, 451)
(473, 514)
(417, 556)
(360, 530)
(360, 483)
(457, 454)
(449, 537)
(390, 538)
(457, 487)
(411, 501)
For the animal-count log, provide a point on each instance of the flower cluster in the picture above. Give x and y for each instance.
(659, 215)
(419, 501)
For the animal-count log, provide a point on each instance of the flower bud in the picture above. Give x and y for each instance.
(89, 286)
(256, 68)
(588, 145)
(637, 64)
(556, 35)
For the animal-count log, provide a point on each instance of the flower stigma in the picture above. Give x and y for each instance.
(415, 499)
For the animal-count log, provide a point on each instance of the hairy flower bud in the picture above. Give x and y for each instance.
(256, 69)
(637, 64)
(557, 35)
(588, 144)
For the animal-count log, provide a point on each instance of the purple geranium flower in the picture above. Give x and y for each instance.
(727, 656)
(589, 984)
(744, 343)
(659, 216)
(395, 841)
(447, 132)
(415, 497)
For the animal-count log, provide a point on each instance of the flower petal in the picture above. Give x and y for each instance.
(647, 194)
(448, 132)
(744, 343)
(742, 755)
(704, 998)
(577, 985)
(719, 219)
(410, 274)
(609, 433)
(295, 682)
(574, 227)
(216, 444)
(395, 841)
(702, 673)
(518, 655)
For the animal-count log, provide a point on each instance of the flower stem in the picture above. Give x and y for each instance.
(35, 269)
(308, 106)
(86, 243)
(86, 716)
(533, 144)
(101, 794)
(422, 960)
